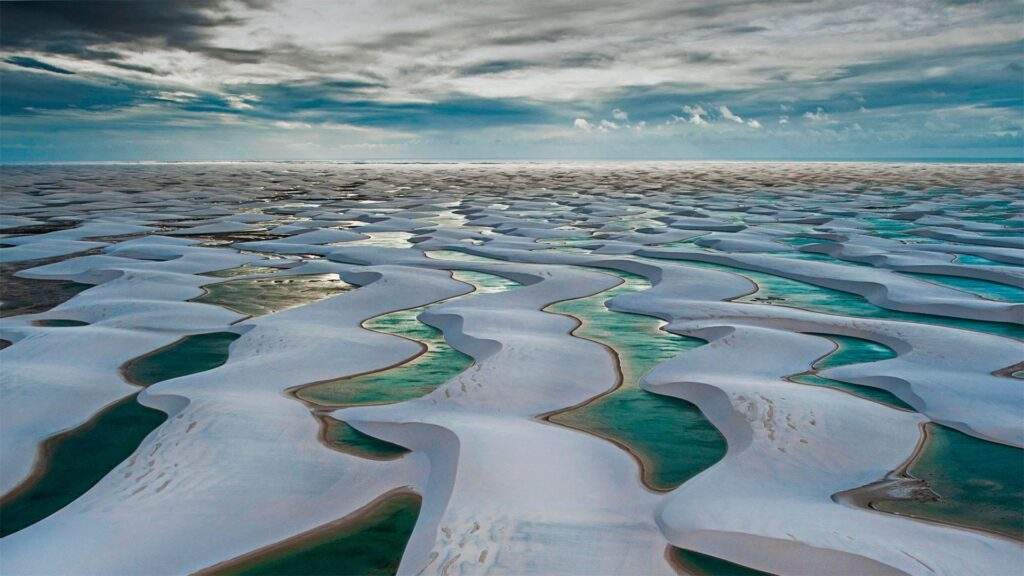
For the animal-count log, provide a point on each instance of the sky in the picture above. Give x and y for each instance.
(523, 80)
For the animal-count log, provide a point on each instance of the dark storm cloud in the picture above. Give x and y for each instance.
(71, 28)
(345, 102)
(400, 69)
(496, 67)
(546, 36)
(578, 60)
(26, 62)
(27, 93)
(745, 29)
(700, 57)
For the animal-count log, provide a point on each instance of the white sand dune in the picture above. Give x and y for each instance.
(239, 464)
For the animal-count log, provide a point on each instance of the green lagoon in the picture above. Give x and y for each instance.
(670, 436)
(191, 354)
(979, 484)
(417, 377)
(76, 460)
(697, 564)
(371, 544)
(256, 297)
(777, 290)
(852, 351)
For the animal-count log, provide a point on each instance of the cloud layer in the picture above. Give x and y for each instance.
(742, 79)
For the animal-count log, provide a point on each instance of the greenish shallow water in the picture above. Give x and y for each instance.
(980, 484)
(59, 323)
(386, 239)
(853, 351)
(979, 261)
(267, 295)
(671, 437)
(460, 256)
(191, 354)
(803, 240)
(818, 258)
(697, 564)
(794, 293)
(886, 228)
(414, 378)
(370, 545)
(345, 438)
(243, 270)
(77, 460)
(983, 288)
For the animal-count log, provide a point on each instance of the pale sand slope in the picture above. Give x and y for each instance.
(57, 378)
(249, 471)
(515, 495)
(238, 465)
(790, 448)
(840, 429)
(944, 373)
(768, 504)
(880, 287)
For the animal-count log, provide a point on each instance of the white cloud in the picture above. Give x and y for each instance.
(176, 96)
(696, 113)
(582, 124)
(728, 115)
(783, 119)
(291, 125)
(620, 115)
(753, 123)
(818, 115)
(241, 101)
(608, 125)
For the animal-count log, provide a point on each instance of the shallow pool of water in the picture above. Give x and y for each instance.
(983, 288)
(671, 437)
(76, 460)
(777, 290)
(980, 484)
(191, 354)
(266, 295)
(60, 323)
(243, 270)
(370, 544)
(344, 438)
(979, 261)
(697, 564)
(851, 350)
(417, 377)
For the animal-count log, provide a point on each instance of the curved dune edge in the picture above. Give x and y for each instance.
(321, 412)
(422, 350)
(722, 423)
(471, 516)
(902, 482)
(643, 464)
(41, 463)
(494, 478)
(352, 519)
(546, 416)
(55, 379)
(941, 372)
(198, 448)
